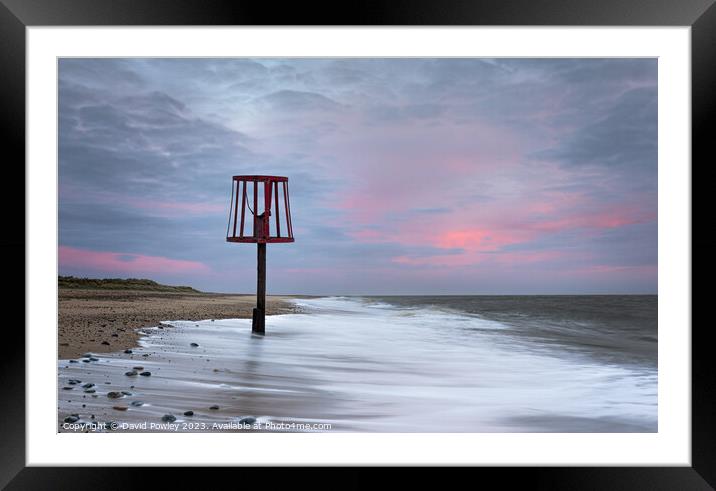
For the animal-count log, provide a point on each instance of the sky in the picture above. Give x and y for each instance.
(407, 176)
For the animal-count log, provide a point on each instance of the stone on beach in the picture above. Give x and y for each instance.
(131, 373)
(146, 374)
(169, 418)
(72, 419)
(249, 420)
(188, 413)
(114, 395)
(214, 407)
(137, 403)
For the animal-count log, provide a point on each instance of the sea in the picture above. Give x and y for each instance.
(477, 364)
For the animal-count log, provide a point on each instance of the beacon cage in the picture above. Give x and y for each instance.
(260, 210)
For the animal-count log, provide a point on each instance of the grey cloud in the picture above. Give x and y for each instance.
(149, 142)
(626, 136)
(403, 114)
(294, 100)
(120, 74)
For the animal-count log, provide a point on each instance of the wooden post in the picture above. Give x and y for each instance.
(258, 325)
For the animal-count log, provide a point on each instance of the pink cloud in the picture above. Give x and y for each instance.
(183, 207)
(126, 264)
(437, 260)
(607, 218)
(473, 257)
(476, 239)
(396, 169)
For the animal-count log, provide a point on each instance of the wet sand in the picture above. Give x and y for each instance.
(105, 321)
(217, 370)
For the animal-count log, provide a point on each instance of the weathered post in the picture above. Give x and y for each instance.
(258, 325)
(262, 232)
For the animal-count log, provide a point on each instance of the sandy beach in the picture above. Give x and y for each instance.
(104, 321)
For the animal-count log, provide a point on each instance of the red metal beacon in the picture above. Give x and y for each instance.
(258, 195)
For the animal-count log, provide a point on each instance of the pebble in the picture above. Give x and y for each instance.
(72, 419)
(74, 361)
(188, 413)
(73, 381)
(126, 393)
(114, 395)
(145, 374)
(92, 358)
(137, 368)
(106, 343)
(249, 420)
(90, 391)
(137, 403)
(87, 355)
(214, 407)
(67, 388)
(194, 345)
(131, 373)
(120, 408)
(169, 418)
(88, 385)
(128, 351)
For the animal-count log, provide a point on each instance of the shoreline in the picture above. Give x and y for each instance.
(104, 320)
(344, 365)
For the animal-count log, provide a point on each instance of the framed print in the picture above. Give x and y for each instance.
(412, 236)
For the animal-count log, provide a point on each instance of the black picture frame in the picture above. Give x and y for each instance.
(16, 15)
